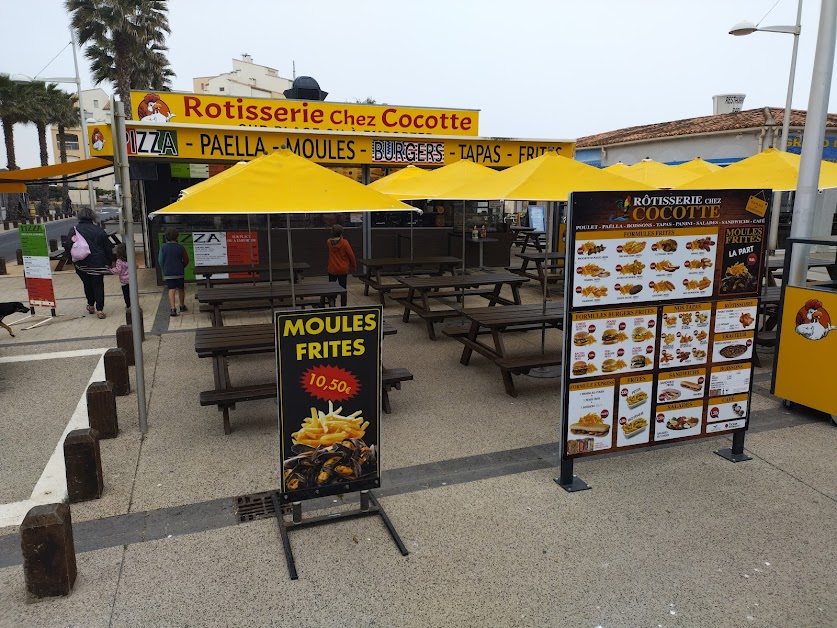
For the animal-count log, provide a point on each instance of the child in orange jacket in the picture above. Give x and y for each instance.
(341, 258)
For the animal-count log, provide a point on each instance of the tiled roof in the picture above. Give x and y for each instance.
(747, 119)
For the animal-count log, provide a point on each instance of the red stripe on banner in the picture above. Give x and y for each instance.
(40, 292)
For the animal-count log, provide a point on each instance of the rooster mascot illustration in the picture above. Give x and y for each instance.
(98, 139)
(152, 109)
(813, 321)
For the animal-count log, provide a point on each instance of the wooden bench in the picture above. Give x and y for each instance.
(522, 365)
(422, 289)
(244, 306)
(376, 269)
(227, 398)
(392, 378)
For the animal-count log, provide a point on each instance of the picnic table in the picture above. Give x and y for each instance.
(528, 237)
(776, 267)
(241, 297)
(376, 269)
(542, 262)
(420, 290)
(498, 321)
(218, 343)
(281, 272)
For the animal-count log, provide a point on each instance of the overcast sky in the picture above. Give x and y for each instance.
(557, 69)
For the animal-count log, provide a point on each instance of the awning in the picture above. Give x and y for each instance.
(43, 174)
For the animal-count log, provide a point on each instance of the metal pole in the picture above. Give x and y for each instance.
(773, 239)
(84, 137)
(805, 203)
(121, 155)
(291, 264)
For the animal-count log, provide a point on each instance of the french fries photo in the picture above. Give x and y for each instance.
(326, 429)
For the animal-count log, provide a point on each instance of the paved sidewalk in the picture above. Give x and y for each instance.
(668, 537)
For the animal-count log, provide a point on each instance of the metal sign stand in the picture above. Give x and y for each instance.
(567, 480)
(297, 521)
(48, 318)
(736, 452)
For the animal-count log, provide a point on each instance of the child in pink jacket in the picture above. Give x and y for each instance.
(121, 269)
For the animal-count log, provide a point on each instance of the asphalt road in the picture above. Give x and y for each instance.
(10, 240)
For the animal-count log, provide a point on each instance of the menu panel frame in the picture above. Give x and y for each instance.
(709, 246)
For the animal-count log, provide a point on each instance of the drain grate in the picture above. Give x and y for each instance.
(255, 506)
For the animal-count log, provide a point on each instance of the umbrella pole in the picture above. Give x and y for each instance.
(545, 372)
(291, 265)
(269, 255)
(250, 250)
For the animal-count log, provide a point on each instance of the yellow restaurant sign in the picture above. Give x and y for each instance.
(203, 109)
(189, 143)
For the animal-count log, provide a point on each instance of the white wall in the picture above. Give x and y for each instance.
(735, 145)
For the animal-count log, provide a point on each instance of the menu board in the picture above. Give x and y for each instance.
(328, 367)
(662, 302)
(36, 267)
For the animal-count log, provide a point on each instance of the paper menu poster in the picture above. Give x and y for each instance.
(681, 385)
(590, 416)
(730, 379)
(613, 341)
(732, 346)
(739, 315)
(727, 413)
(678, 420)
(684, 335)
(633, 425)
(645, 265)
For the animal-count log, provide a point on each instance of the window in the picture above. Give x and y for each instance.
(96, 103)
(71, 141)
(220, 89)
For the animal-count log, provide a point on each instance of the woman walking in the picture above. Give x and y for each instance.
(93, 267)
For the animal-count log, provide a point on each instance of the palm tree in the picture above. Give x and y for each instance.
(13, 111)
(65, 114)
(125, 42)
(42, 102)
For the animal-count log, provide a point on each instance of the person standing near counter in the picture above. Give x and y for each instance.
(341, 259)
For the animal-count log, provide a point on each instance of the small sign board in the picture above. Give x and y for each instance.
(328, 368)
(36, 265)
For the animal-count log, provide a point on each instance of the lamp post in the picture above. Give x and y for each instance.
(22, 78)
(746, 28)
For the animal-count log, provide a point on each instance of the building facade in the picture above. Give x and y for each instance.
(247, 79)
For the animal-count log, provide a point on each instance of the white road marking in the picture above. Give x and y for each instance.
(51, 487)
(78, 353)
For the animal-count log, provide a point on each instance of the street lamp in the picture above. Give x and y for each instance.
(747, 28)
(22, 78)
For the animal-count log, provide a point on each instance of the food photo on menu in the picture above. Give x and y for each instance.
(682, 385)
(634, 410)
(727, 413)
(684, 335)
(732, 346)
(678, 420)
(613, 341)
(740, 315)
(590, 417)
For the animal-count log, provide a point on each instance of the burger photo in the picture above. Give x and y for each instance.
(610, 336)
(582, 338)
(580, 368)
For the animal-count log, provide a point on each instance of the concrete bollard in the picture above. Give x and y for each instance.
(3, 270)
(116, 371)
(125, 340)
(19, 256)
(83, 463)
(49, 556)
(6, 225)
(101, 404)
(53, 245)
(142, 322)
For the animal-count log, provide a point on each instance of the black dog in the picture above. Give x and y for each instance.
(11, 308)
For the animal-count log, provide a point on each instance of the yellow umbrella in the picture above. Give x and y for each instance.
(768, 169)
(699, 166)
(616, 168)
(280, 183)
(550, 177)
(437, 184)
(393, 184)
(657, 175)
